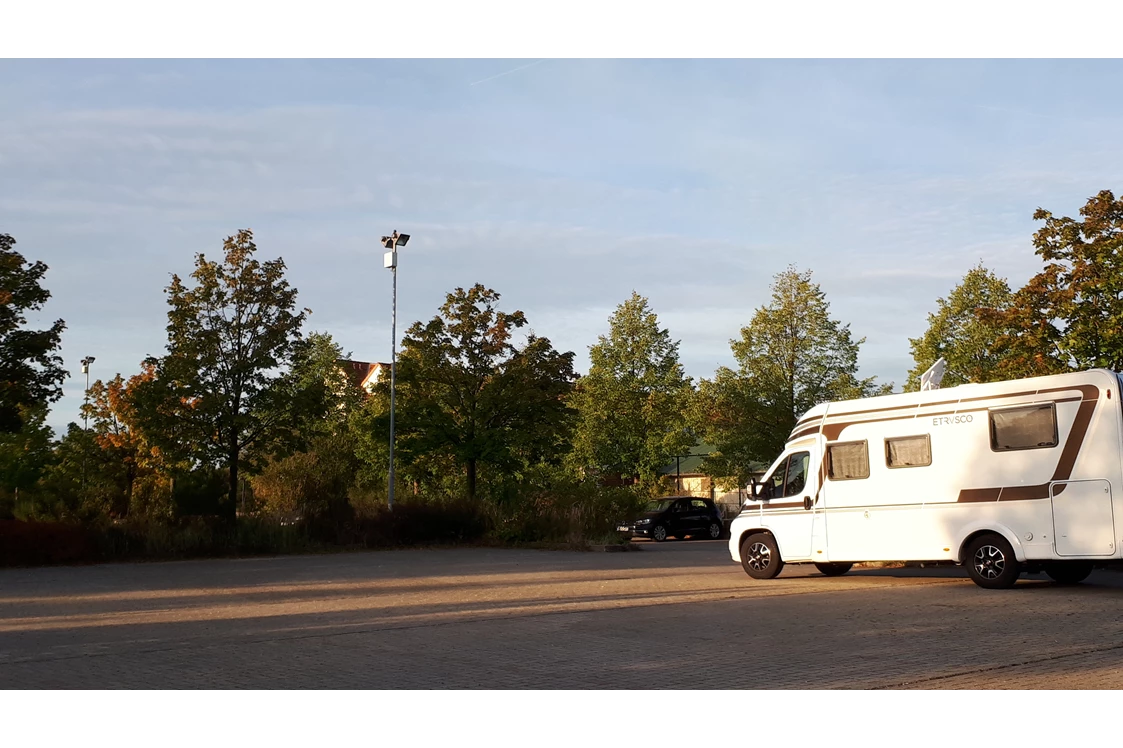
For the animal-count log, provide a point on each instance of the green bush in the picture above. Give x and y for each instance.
(200, 492)
(39, 543)
(552, 505)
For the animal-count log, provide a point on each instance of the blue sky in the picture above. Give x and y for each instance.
(563, 185)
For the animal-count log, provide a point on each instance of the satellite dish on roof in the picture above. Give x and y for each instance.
(930, 380)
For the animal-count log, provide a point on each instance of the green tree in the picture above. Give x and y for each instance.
(957, 333)
(632, 404)
(314, 464)
(465, 391)
(31, 372)
(24, 456)
(791, 356)
(125, 452)
(1069, 315)
(224, 385)
(81, 481)
(323, 398)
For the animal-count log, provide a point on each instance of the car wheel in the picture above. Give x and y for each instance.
(715, 530)
(659, 533)
(760, 556)
(1069, 572)
(991, 563)
(833, 570)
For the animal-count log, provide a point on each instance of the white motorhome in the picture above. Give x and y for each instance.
(1002, 477)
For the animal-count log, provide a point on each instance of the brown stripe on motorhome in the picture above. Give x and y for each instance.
(1024, 493)
(952, 402)
(805, 432)
(1088, 400)
(979, 494)
(949, 402)
(832, 430)
(1067, 460)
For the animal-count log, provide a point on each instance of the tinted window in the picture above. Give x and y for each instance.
(1032, 427)
(797, 474)
(908, 451)
(848, 461)
(698, 504)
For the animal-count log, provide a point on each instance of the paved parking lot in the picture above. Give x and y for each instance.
(676, 615)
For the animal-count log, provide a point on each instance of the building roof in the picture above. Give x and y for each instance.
(691, 462)
(362, 373)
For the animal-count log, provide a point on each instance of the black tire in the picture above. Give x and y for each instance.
(1069, 572)
(991, 563)
(715, 530)
(833, 570)
(659, 533)
(760, 557)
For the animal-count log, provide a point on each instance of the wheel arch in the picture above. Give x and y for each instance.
(975, 531)
(744, 534)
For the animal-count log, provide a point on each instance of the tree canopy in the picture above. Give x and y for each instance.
(959, 332)
(224, 384)
(466, 391)
(1069, 315)
(31, 372)
(632, 404)
(791, 356)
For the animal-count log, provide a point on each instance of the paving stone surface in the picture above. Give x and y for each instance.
(674, 615)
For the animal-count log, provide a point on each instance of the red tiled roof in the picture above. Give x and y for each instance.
(359, 372)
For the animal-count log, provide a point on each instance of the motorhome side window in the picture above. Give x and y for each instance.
(1030, 427)
(848, 461)
(908, 451)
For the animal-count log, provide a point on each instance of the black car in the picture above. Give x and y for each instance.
(677, 516)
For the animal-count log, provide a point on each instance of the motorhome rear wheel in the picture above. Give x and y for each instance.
(1069, 572)
(991, 563)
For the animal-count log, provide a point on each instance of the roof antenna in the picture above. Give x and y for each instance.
(930, 380)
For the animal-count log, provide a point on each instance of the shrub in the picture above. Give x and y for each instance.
(556, 506)
(38, 543)
(309, 484)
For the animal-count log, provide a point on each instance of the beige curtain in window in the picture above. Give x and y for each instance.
(909, 451)
(849, 461)
(1024, 427)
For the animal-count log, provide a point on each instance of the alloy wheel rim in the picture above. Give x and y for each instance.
(659, 533)
(990, 562)
(759, 556)
(715, 530)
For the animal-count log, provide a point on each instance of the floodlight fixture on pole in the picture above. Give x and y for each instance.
(390, 260)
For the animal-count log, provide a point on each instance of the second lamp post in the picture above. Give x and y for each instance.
(390, 260)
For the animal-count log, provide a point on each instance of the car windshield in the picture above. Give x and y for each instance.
(658, 506)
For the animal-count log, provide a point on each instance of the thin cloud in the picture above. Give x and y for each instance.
(514, 70)
(564, 198)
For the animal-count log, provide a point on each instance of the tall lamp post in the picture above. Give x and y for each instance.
(86, 416)
(85, 409)
(390, 260)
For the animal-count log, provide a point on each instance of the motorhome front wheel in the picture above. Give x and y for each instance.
(760, 556)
